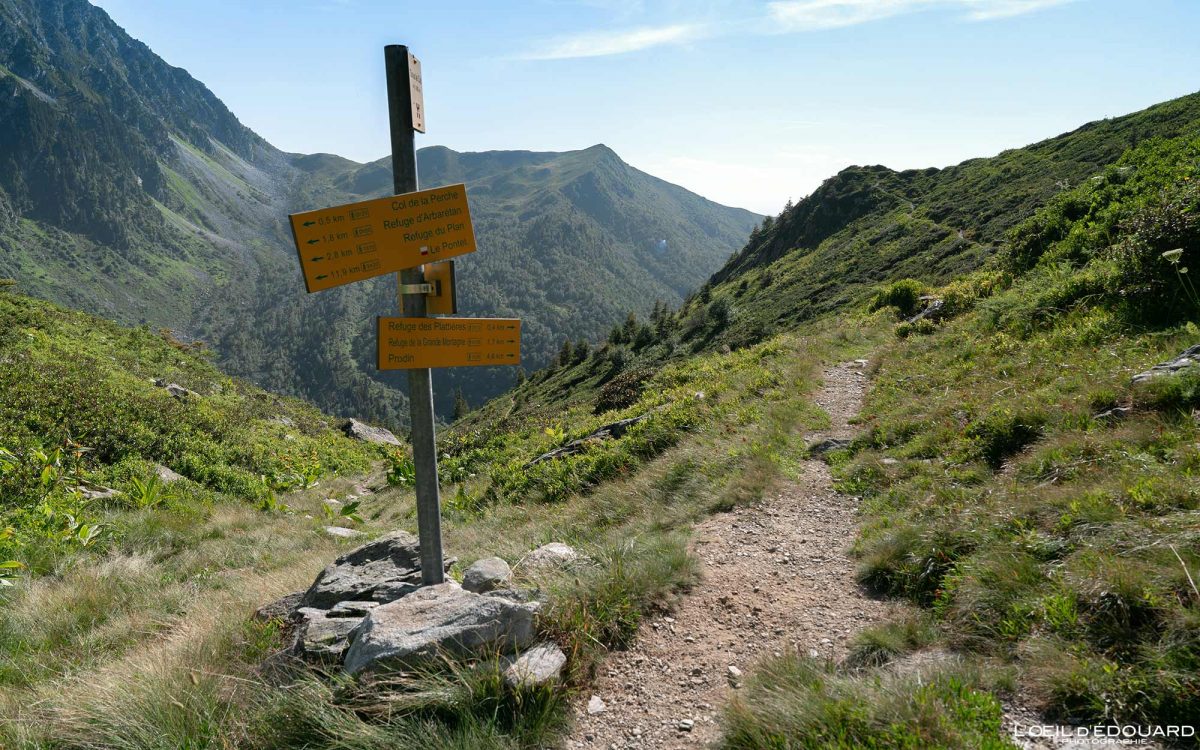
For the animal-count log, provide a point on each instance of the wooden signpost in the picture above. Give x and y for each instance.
(413, 233)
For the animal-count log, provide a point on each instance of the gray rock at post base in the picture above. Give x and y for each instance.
(548, 557)
(280, 609)
(368, 433)
(323, 637)
(821, 447)
(1185, 360)
(438, 619)
(383, 570)
(537, 666)
(165, 475)
(487, 574)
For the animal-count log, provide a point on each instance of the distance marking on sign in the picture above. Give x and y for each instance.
(359, 241)
(418, 343)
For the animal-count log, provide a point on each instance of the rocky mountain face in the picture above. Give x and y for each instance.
(129, 190)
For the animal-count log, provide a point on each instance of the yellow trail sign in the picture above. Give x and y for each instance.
(359, 241)
(419, 343)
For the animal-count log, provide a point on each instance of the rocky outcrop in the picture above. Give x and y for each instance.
(487, 574)
(369, 433)
(323, 636)
(932, 310)
(176, 390)
(436, 620)
(1187, 359)
(607, 432)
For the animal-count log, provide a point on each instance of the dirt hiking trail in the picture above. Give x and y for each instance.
(776, 576)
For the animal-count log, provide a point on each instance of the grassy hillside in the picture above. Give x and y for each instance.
(81, 413)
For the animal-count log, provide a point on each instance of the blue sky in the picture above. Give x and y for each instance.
(746, 102)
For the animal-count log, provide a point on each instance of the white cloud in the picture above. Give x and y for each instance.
(781, 17)
(813, 15)
(600, 43)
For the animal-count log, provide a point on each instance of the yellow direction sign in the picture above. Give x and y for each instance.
(359, 241)
(419, 343)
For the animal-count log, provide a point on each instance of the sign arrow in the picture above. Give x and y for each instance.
(313, 242)
(317, 258)
(323, 276)
(309, 223)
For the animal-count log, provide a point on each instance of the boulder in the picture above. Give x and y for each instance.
(380, 571)
(323, 637)
(368, 433)
(537, 666)
(486, 575)
(548, 557)
(435, 620)
(1185, 360)
(165, 475)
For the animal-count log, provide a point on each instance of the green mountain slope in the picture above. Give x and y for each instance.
(88, 404)
(867, 225)
(129, 190)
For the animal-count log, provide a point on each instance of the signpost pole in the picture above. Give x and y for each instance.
(420, 384)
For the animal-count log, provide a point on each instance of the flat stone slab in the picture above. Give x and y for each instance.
(539, 665)
(441, 619)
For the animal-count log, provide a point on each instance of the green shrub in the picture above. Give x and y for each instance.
(904, 295)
